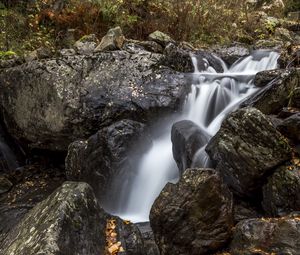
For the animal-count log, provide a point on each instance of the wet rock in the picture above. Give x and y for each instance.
(265, 77)
(276, 95)
(193, 216)
(275, 120)
(51, 103)
(179, 58)
(161, 38)
(246, 148)
(244, 211)
(86, 45)
(267, 236)
(69, 221)
(232, 53)
(290, 127)
(107, 153)
(148, 238)
(295, 98)
(5, 184)
(130, 237)
(281, 195)
(288, 112)
(113, 40)
(187, 138)
(31, 186)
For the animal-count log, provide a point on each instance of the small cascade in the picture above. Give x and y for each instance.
(213, 95)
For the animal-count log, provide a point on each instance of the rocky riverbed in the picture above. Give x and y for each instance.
(76, 119)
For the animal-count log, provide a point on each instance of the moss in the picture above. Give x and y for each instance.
(7, 54)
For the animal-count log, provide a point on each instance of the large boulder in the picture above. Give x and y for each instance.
(105, 154)
(290, 127)
(179, 58)
(267, 236)
(281, 194)
(230, 54)
(187, 138)
(193, 216)
(247, 147)
(50, 103)
(69, 221)
(264, 77)
(276, 95)
(27, 186)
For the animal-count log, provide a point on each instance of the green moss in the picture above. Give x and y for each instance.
(7, 54)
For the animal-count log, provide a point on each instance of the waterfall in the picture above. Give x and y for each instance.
(213, 95)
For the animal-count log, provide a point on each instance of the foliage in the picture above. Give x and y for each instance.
(292, 6)
(31, 24)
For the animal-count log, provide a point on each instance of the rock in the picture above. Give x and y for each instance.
(275, 120)
(232, 53)
(274, 44)
(130, 237)
(31, 186)
(67, 39)
(148, 238)
(5, 184)
(53, 102)
(39, 53)
(276, 95)
(86, 45)
(290, 127)
(287, 112)
(193, 216)
(131, 45)
(263, 78)
(244, 211)
(281, 195)
(69, 221)
(67, 52)
(295, 97)
(161, 38)
(113, 40)
(180, 59)
(283, 34)
(246, 148)
(267, 236)
(104, 155)
(187, 138)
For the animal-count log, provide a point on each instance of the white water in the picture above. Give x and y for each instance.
(213, 95)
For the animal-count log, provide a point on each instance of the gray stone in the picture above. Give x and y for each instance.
(5, 184)
(193, 216)
(187, 138)
(267, 236)
(290, 127)
(281, 194)
(69, 221)
(263, 78)
(53, 102)
(246, 148)
(106, 154)
(161, 38)
(276, 95)
(113, 40)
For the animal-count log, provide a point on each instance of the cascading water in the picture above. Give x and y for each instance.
(213, 95)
